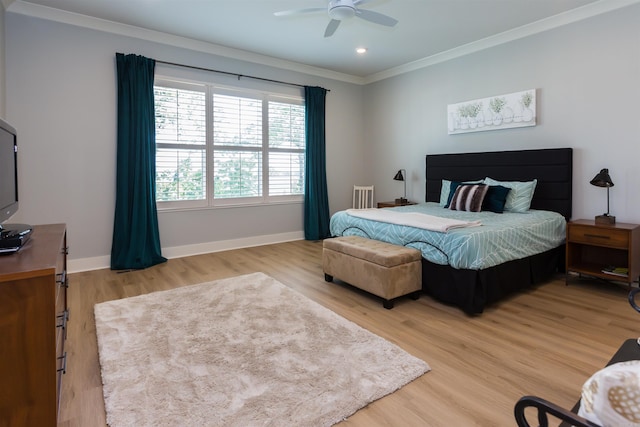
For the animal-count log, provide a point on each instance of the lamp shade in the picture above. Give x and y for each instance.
(400, 177)
(602, 179)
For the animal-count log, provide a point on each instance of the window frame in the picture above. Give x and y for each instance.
(263, 95)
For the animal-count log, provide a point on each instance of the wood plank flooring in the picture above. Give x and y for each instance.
(547, 341)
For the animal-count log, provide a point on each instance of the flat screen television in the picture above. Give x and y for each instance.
(12, 236)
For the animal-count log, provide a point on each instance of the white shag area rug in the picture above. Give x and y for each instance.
(245, 351)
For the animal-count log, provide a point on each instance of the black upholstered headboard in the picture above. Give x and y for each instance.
(553, 168)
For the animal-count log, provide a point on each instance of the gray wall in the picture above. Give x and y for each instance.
(3, 85)
(586, 75)
(62, 99)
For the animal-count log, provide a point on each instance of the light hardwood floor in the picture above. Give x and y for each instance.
(545, 342)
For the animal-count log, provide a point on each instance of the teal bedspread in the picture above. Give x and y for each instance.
(500, 238)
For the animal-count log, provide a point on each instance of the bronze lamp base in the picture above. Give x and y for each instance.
(605, 219)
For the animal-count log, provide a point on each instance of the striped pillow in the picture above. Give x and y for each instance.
(447, 186)
(468, 198)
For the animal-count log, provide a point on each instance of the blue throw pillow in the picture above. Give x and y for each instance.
(495, 198)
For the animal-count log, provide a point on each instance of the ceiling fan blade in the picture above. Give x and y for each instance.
(376, 18)
(300, 11)
(359, 2)
(331, 28)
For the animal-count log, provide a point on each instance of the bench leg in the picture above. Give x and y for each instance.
(388, 304)
(328, 277)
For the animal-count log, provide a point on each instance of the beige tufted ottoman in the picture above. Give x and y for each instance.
(383, 269)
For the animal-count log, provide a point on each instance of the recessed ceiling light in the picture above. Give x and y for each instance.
(361, 50)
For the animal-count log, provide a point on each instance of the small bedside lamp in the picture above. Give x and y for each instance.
(400, 177)
(602, 179)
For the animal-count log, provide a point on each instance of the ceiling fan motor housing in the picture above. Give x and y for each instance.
(341, 9)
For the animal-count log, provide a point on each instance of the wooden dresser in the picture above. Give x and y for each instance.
(33, 318)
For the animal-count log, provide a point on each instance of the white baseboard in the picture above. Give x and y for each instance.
(96, 263)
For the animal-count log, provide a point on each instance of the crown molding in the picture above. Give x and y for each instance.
(79, 20)
(6, 3)
(574, 15)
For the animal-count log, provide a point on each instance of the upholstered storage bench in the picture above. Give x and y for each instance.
(386, 270)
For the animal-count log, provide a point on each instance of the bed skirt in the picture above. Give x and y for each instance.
(473, 290)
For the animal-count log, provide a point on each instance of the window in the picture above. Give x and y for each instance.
(226, 146)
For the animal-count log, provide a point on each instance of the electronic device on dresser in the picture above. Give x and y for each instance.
(12, 236)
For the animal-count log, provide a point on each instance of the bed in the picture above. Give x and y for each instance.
(474, 283)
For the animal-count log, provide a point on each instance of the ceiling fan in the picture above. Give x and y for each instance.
(340, 10)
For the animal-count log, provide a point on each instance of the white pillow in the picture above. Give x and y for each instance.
(446, 188)
(444, 192)
(611, 397)
(520, 196)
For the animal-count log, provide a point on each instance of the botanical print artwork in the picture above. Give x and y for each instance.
(497, 112)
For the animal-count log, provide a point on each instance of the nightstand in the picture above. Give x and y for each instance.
(592, 248)
(393, 204)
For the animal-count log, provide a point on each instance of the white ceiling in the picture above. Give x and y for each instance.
(427, 29)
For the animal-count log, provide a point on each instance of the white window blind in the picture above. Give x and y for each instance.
(286, 148)
(180, 144)
(221, 146)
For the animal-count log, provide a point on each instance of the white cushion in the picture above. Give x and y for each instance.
(611, 397)
(520, 196)
(446, 188)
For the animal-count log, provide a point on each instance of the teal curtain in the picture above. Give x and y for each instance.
(136, 239)
(316, 200)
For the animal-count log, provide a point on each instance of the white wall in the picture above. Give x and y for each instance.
(588, 80)
(62, 99)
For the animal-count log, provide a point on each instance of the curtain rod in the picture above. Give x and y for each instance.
(231, 74)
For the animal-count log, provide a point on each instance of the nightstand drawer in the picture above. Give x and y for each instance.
(596, 236)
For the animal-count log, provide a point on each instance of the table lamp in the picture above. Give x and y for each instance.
(602, 179)
(400, 177)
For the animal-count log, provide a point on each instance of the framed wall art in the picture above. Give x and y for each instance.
(512, 110)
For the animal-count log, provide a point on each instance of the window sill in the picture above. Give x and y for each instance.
(229, 206)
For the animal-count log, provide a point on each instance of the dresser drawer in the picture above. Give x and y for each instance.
(596, 236)
(61, 331)
(61, 292)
